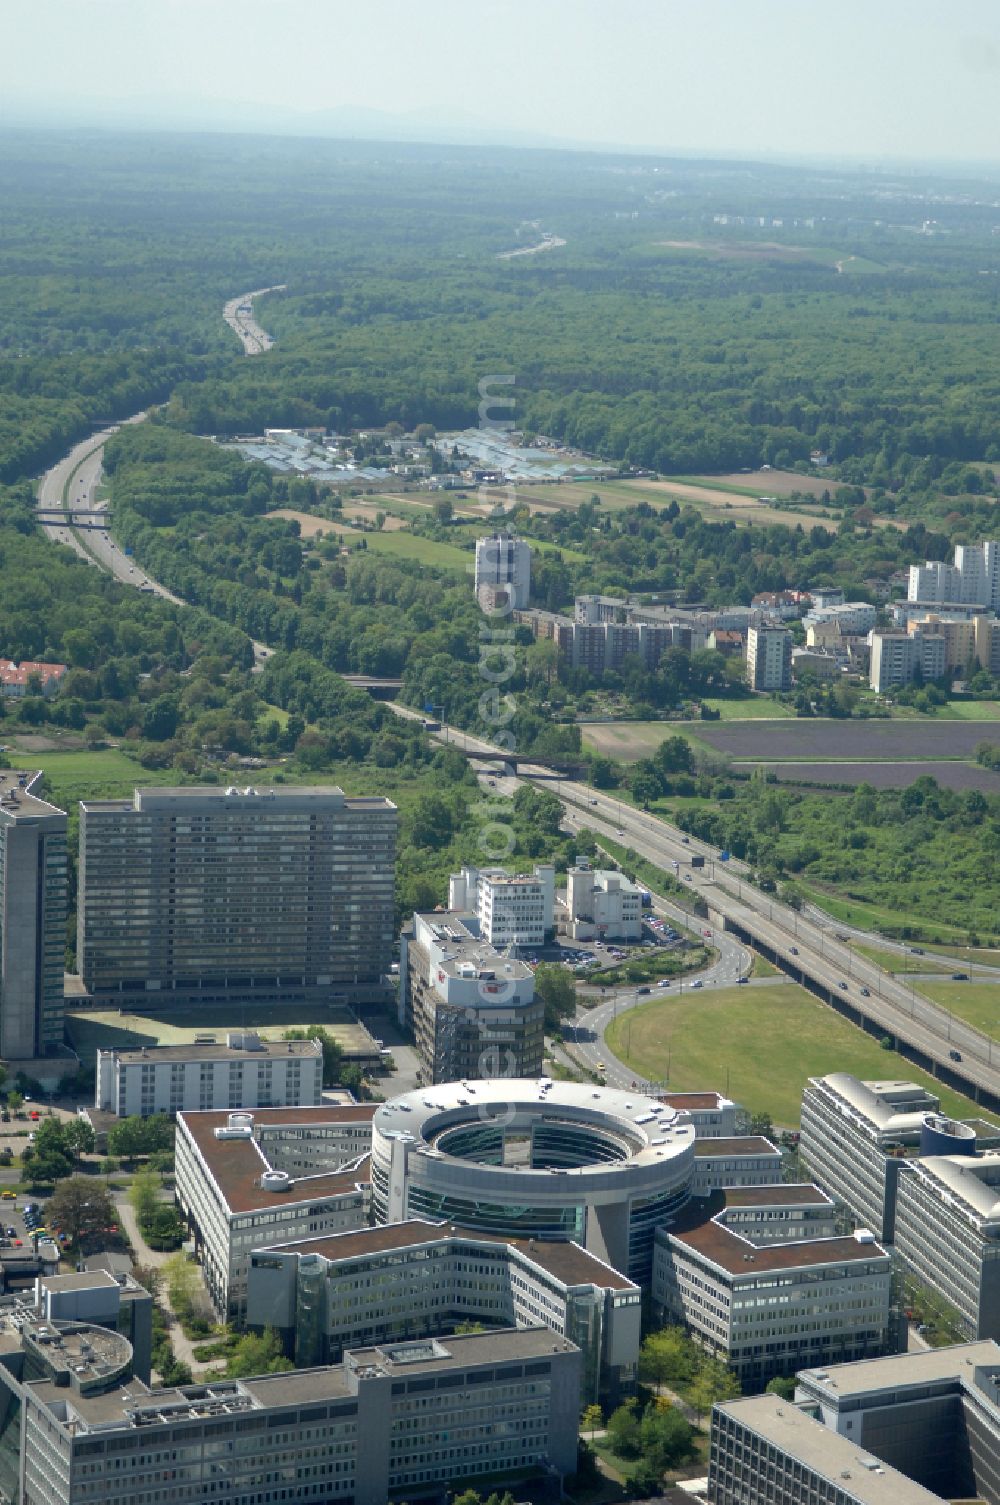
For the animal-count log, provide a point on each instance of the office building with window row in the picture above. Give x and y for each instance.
(421, 1279)
(764, 1282)
(389, 1423)
(212, 895)
(32, 920)
(246, 1072)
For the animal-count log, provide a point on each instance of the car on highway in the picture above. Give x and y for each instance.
(602, 1066)
(742, 981)
(955, 1055)
(697, 983)
(842, 984)
(865, 993)
(960, 977)
(794, 950)
(664, 982)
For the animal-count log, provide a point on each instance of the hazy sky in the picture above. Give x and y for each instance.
(855, 78)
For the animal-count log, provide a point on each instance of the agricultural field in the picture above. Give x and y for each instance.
(84, 774)
(758, 1045)
(628, 741)
(884, 775)
(861, 741)
(773, 482)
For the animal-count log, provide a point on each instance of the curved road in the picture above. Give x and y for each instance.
(239, 315)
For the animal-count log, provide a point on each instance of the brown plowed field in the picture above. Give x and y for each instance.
(861, 740)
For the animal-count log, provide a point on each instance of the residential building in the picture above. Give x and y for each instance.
(898, 658)
(727, 642)
(420, 1279)
(472, 1010)
(973, 579)
(987, 643)
(245, 1072)
(821, 597)
(826, 633)
(783, 605)
(602, 903)
(819, 662)
(601, 638)
(850, 616)
(766, 1451)
(213, 895)
(959, 634)
(765, 1291)
(19, 680)
(947, 1229)
(769, 658)
(32, 919)
(535, 1159)
(503, 572)
(390, 1422)
(748, 1160)
(591, 609)
(512, 909)
(245, 1180)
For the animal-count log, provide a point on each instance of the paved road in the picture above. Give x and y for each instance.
(95, 544)
(180, 1342)
(238, 314)
(805, 948)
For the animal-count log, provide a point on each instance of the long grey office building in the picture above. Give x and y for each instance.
(205, 894)
(32, 919)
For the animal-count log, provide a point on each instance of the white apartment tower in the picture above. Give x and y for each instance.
(769, 658)
(973, 580)
(503, 571)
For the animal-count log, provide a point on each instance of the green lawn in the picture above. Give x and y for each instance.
(72, 776)
(628, 741)
(403, 545)
(969, 710)
(978, 1003)
(898, 962)
(985, 955)
(754, 708)
(758, 1045)
(866, 916)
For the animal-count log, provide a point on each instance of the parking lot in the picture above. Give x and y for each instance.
(17, 1223)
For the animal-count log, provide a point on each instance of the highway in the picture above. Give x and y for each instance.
(84, 464)
(804, 949)
(239, 315)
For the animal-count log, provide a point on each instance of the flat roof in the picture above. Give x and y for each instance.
(17, 801)
(567, 1262)
(215, 1052)
(79, 1280)
(841, 1462)
(236, 1165)
(784, 1194)
(750, 1144)
(896, 1371)
(694, 1100)
(234, 796)
(698, 1228)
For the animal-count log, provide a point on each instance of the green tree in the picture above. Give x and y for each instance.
(592, 1420)
(257, 1353)
(143, 1197)
(556, 989)
(783, 1385)
(713, 1383)
(81, 1207)
(624, 1431)
(668, 1357)
(333, 1054)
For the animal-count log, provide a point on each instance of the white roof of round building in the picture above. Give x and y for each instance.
(643, 1130)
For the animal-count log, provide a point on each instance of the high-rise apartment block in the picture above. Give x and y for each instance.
(503, 571)
(202, 894)
(974, 578)
(769, 658)
(32, 919)
(899, 657)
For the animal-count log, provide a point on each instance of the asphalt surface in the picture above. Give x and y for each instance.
(804, 947)
(253, 339)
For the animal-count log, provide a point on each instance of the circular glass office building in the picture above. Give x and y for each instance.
(535, 1159)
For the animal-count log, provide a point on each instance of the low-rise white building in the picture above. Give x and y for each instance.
(713, 1116)
(765, 1300)
(602, 903)
(513, 909)
(850, 616)
(245, 1072)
